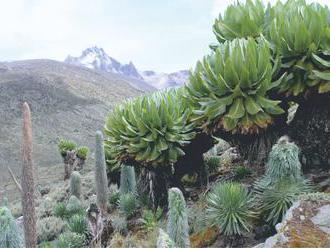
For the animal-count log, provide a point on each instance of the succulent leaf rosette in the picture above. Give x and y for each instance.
(151, 129)
(240, 21)
(300, 34)
(229, 87)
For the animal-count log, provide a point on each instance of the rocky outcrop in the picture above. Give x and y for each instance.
(306, 224)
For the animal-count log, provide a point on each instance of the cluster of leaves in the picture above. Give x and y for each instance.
(230, 208)
(242, 171)
(151, 129)
(240, 21)
(49, 228)
(75, 216)
(228, 89)
(65, 146)
(65, 211)
(78, 224)
(128, 204)
(263, 54)
(212, 163)
(82, 152)
(150, 218)
(299, 34)
(70, 239)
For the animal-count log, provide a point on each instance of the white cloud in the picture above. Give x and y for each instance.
(158, 35)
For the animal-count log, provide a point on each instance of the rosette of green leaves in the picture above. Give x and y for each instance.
(300, 34)
(150, 129)
(240, 21)
(229, 87)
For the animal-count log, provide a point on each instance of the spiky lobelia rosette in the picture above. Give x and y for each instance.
(230, 208)
(240, 21)
(229, 87)
(300, 35)
(151, 129)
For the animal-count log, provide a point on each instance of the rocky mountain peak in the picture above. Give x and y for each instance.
(96, 58)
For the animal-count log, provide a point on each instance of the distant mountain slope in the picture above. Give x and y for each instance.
(96, 58)
(164, 80)
(66, 101)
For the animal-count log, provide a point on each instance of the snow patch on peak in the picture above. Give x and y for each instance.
(96, 58)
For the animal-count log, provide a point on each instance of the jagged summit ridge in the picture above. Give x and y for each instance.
(96, 58)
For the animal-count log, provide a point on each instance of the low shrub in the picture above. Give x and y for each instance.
(45, 245)
(74, 206)
(70, 240)
(78, 224)
(230, 208)
(242, 172)
(212, 163)
(119, 224)
(11, 235)
(49, 228)
(150, 219)
(128, 204)
(60, 210)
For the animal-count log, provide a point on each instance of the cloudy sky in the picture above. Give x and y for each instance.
(155, 34)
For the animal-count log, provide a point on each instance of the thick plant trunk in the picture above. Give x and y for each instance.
(310, 129)
(193, 160)
(156, 182)
(254, 148)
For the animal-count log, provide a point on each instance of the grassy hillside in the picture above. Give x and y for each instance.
(66, 101)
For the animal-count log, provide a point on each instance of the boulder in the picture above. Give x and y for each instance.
(306, 224)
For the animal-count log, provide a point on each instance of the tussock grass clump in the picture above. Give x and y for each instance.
(70, 239)
(230, 208)
(78, 224)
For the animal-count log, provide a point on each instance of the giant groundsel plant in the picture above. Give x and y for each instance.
(151, 129)
(300, 35)
(229, 88)
(240, 21)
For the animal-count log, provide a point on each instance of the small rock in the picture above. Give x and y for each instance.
(302, 217)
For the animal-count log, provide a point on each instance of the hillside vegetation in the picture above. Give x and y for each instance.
(66, 100)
